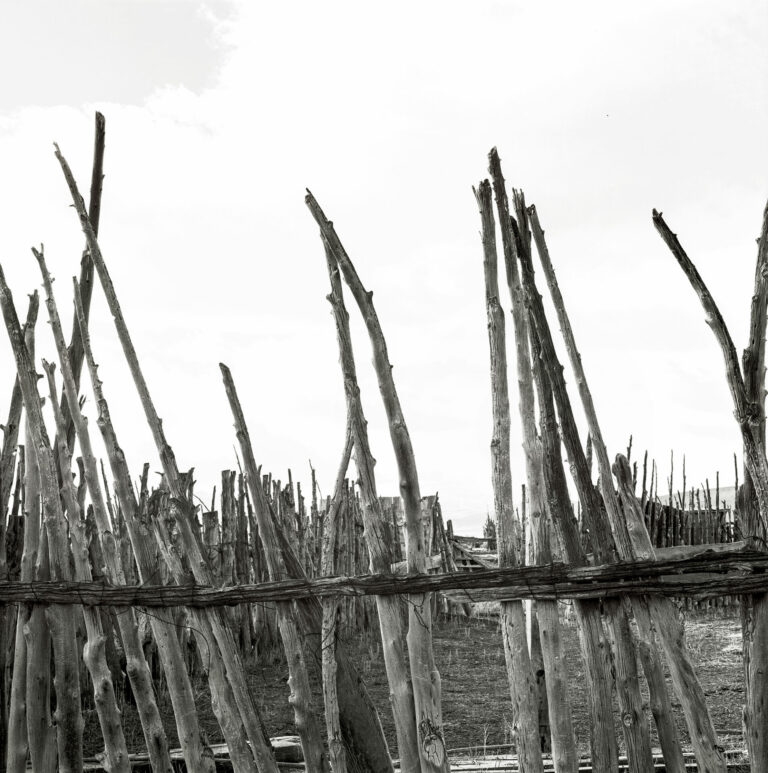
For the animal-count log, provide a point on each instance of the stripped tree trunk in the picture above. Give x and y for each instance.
(136, 666)
(671, 634)
(7, 613)
(17, 744)
(331, 611)
(522, 683)
(424, 673)
(144, 549)
(94, 652)
(754, 609)
(366, 745)
(564, 751)
(630, 703)
(604, 756)
(749, 402)
(86, 266)
(705, 743)
(249, 714)
(401, 688)
(298, 679)
(69, 719)
(165, 516)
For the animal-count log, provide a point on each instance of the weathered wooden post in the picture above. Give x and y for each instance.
(17, 743)
(522, 683)
(94, 657)
(564, 749)
(424, 673)
(748, 394)
(144, 550)
(260, 748)
(331, 612)
(69, 718)
(592, 640)
(136, 665)
(703, 737)
(298, 680)
(400, 686)
(633, 719)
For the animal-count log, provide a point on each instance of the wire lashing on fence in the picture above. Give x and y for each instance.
(702, 575)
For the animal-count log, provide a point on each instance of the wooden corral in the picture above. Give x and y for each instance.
(107, 589)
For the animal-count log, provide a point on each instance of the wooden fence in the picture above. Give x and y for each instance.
(103, 582)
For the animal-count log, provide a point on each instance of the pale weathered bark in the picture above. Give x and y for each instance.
(136, 665)
(522, 683)
(86, 266)
(16, 744)
(594, 647)
(69, 719)
(746, 412)
(635, 727)
(94, 655)
(424, 673)
(626, 543)
(754, 609)
(705, 574)
(40, 730)
(564, 752)
(366, 745)
(249, 713)
(143, 544)
(298, 680)
(390, 621)
(748, 394)
(331, 610)
(164, 515)
(671, 634)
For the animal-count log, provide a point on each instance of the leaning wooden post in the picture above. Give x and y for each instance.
(754, 609)
(40, 729)
(17, 744)
(522, 684)
(69, 719)
(564, 751)
(298, 680)
(594, 647)
(628, 540)
(7, 469)
(143, 543)
(400, 686)
(748, 397)
(424, 673)
(86, 266)
(136, 665)
(93, 654)
(162, 512)
(331, 610)
(262, 751)
(633, 719)
(671, 632)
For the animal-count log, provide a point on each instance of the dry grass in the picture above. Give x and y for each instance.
(476, 701)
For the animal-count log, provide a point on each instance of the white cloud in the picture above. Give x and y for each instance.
(600, 112)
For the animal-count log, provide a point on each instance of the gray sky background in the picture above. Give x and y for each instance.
(219, 114)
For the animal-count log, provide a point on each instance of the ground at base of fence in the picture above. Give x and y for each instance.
(736, 759)
(288, 752)
(476, 700)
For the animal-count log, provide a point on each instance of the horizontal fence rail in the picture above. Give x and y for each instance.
(703, 574)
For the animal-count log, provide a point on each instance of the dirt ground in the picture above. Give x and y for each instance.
(476, 702)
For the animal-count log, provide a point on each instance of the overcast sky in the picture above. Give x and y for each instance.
(220, 114)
